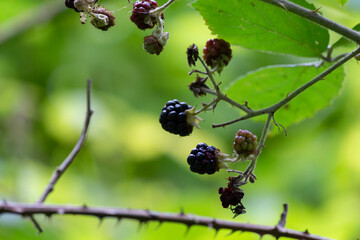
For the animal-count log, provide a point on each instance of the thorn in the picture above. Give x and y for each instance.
(118, 221)
(140, 225)
(282, 222)
(306, 231)
(159, 225)
(316, 11)
(100, 221)
(182, 212)
(283, 6)
(84, 206)
(188, 226)
(216, 232)
(48, 216)
(231, 233)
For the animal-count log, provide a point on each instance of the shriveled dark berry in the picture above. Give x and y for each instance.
(173, 118)
(217, 52)
(245, 143)
(103, 19)
(151, 45)
(230, 197)
(70, 4)
(198, 86)
(141, 16)
(192, 53)
(203, 159)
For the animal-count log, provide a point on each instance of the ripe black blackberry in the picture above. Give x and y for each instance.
(204, 159)
(175, 118)
(230, 196)
(70, 4)
(217, 53)
(245, 143)
(141, 14)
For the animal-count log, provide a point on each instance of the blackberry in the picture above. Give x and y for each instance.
(70, 4)
(245, 143)
(151, 45)
(141, 14)
(217, 53)
(230, 196)
(204, 159)
(175, 119)
(103, 19)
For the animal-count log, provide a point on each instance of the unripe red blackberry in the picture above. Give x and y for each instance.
(204, 159)
(102, 19)
(70, 4)
(141, 14)
(230, 197)
(217, 52)
(245, 143)
(176, 118)
(151, 45)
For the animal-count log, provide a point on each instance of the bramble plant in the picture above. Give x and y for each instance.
(278, 95)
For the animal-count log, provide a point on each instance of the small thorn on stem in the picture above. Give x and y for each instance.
(283, 217)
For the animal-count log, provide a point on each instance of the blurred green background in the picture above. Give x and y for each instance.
(128, 160)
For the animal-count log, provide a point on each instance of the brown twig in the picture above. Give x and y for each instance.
(291, 96)
(70, 158)
(144, 216)
(316, 18)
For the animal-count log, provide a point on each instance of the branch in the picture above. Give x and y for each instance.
(70, 158)
(286, 100)
(317, 18)
(30, 19)
(148, 216)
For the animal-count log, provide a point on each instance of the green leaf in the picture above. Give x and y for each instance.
(267, 86)
(258, 25)
(342, 2)
(344, 42)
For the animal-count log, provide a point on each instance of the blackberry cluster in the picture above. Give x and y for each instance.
(245, 143)
(173, 118)
(217, 52)
(230, 197)
(140, 14)
(70, 4)
(99, 22)
(203, 159)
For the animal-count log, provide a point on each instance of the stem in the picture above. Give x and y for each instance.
(264, 134)
(215, 101)
(286, 100)
(317, 18)
(250, 169)
(70, 158)
(144, 216)
(161, 8)
(218, 93)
